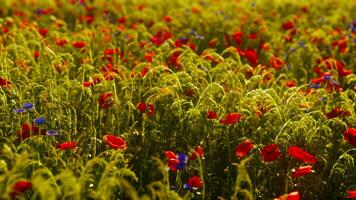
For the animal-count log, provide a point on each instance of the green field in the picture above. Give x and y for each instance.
(160, 99)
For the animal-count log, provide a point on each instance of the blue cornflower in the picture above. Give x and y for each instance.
(187, 186)
(40, 120)
(183, 39)
(52, 132)
(315, 86)
(327, 77)
(182, 161)
(193, 32)
(27, 105)
(19, 110)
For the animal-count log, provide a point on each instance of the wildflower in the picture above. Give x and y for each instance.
(317, 80)
(350, 136)
(291, 196)
(238, 38)
(79, 44)
(61, 42)
(244, 148)
(288, 25)
(40, 120)
(20, 187)
(149, 56)
(43, 31)
(141, 107)
(291, 83)
(198, 152)
(4, 82)
(160, 37)
(301, 171)
(67, 145)
(176, 161)
(351, 194)
(270, 153)
(27, 130)
(105, 100)
(20, 110)
(276, 62)
(315, 86)
(144, 71)
(231, 118)
(174, 59)
(88, 83)
(52, 132)
(171, 159)
(302, 155)
(251, 56)
(252, 36)
(115, 142)
(194, 182)
(36, 54)
(182, 161)
(211, 114)
(167, 19)
(337, 112)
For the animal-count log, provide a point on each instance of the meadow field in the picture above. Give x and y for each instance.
(178, 99)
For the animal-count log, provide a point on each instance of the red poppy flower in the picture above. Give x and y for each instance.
(144, 71)
(238, 38)
(195, 182)
(270, 153)
(337, 112)
(27, 130)
(317, 80)
(88, 83)
(199, 151)
(115, 142)
(109, 71)
(61, 42)
(251, 56)
(350, 136)
(302, 155)
(301, 171)
(105, 100)
(291, 83)
(231, 118)
(351, 194)
(150, 110)
(276, 62)
(172, 160)
(160, 37)
(345, 72)
(211, 114)
(43, 31)
(79, 44)
(4, 82)
(36, 54)
(67, 145)
(252, 36)
(174, 59)
(20, 187)
(288, 25)
(122, 20)
(149, 56)
(291, 196)
(167, 19)
(244, 148)
(142, 106)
